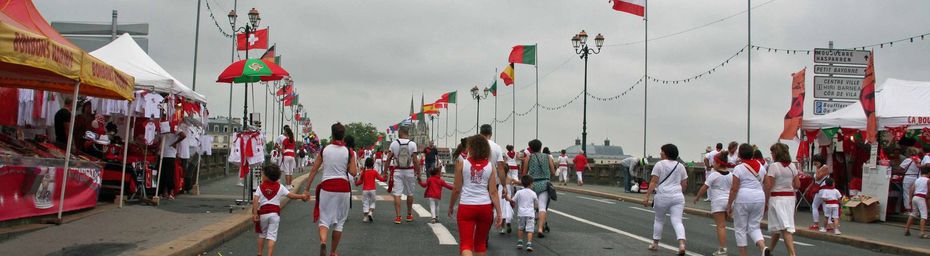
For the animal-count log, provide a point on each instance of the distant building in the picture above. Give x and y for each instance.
(219, 127)
(600, 154)
(419, 129)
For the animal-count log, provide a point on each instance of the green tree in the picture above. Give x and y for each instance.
(365, 134)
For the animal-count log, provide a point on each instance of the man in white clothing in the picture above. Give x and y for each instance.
(407, 170)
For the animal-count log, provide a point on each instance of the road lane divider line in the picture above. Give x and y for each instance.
(621, 232)
(445, 237)
(422, 211)
(770, 237)
(653, 212)
(606, 201)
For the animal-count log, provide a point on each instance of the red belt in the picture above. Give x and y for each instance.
(831, 202)
(331, 185)
(563, 165)
(783, 193)
(513, 167)
(921, 195)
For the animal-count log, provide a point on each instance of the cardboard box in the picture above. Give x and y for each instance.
(864, 209)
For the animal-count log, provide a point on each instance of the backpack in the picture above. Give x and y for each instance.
(404, 156)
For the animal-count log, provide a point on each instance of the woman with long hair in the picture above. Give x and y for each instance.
(820, 177)
(781, 183)
(747, 201)
(717, 186)
(540, 167)
(669, 181)
(289, 161)
(337, 162)
(472, 192)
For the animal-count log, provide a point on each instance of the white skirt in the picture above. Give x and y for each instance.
(781, 213)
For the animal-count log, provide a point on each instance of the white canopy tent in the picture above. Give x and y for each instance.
(897, 103)
(124, 54)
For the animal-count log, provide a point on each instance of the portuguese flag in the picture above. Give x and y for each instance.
(507, 75)
(493, 88)
(448, 98)
(525, 54)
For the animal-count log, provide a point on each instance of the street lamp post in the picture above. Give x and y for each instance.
(478, 97)
(250, 27)
(579, 41)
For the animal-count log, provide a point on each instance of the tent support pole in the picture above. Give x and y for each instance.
(122, 183)
(64, 172)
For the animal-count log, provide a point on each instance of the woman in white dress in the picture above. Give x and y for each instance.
(781, 183)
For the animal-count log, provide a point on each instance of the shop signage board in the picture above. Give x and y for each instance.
(875, 183)
(837, 87)
(839, 70)
(840, 56)
(823, 107)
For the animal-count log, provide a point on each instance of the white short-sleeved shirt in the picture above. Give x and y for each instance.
(170, 151)
(920, 186)
(184, 147)
(497, 155)
(830, 194)
(733, 158)
(150, 105)
(395, 149)
(526, 200)
(563, 160)
(276, 200)
(675, 171)
(784, 177)
(718, 185)
(925, 160)
(710, 157)
(750, 189)
(475, 185)
(335, 162)
(911, 168)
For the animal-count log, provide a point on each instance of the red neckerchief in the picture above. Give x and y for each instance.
(916, 160)
(338, 143)
(269, 189)
(477, 165)
(511, 154)
(754, 166)
(826, 187)
(785, 164)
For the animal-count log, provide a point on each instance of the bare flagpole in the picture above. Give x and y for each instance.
(645, 73)
(495, 99)
(536, 64)
(748, 68)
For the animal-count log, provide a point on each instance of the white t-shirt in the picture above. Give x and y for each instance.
(710, 158)
(920, 186)
(276, 200)
(830, 194)
(675, 171)
(718, 185)
(733, 158)
(184, 147)
(911, 168)
(150, 105)
(784, 177)
(526, 200)
(475, 185)
(563, 161)
(925, 160)
(750, 185)
(497, 155)
(411, 147)
(335, 162)
(170, 151)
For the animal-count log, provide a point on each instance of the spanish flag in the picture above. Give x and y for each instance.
(507, 75)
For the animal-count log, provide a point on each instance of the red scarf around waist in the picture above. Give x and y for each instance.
(331, 185)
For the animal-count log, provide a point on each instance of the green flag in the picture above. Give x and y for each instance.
(449, 98)
(494, 88)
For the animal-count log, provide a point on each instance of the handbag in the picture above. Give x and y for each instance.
(551, 190)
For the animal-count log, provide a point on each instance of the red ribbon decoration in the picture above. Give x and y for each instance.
(897, 132)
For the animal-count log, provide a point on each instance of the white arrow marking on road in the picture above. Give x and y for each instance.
(445, 237)
(621, 232)
(770, 237)
(598, 200)
(422, 211)
(647, 210)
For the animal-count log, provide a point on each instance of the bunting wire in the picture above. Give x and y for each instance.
(623, 93)
(911, 39)
(699, 75)
(218, 27)
(559, 107)
(509, 115)
(527, 112)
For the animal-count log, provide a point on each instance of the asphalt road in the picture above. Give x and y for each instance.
(581, 225)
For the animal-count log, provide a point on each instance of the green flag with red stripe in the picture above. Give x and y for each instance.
(525, 54)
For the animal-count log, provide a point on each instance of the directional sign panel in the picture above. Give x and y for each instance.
(837, 87)
(838, 56)
(823, 107)
(839, 70)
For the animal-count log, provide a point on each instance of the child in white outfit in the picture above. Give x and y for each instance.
(526, 201)
(266, 207)
(831, 206)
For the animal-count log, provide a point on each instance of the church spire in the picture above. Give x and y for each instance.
(411, 105)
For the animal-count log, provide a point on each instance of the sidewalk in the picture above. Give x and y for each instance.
(184, 226)
(886, 237)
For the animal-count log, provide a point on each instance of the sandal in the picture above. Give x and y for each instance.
(322, 249)
(924, 236)
(653, 247)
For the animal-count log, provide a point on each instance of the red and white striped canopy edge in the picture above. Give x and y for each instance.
(635, 7)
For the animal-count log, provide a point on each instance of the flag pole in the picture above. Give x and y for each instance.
(645, 73)
(513, 111)
(446, 133)
(495, 98)
(536, 64)
(456, 130)
(748, 68)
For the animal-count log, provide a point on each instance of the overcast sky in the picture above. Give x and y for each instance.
(361, 61)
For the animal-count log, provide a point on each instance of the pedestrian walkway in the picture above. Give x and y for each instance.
(887, 237)
(134, 228)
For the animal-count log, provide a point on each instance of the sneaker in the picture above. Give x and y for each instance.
(503, 231)
(364, 217)
(519, 244)
(823, 229)
(397, 220)
(529, 247)
(706, 199)
(433, 220)
(240, 184)
(837, 232)
(766, 251)
(409, 218)
(720, 252)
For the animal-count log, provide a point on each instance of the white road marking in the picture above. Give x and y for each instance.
(606, 201)
(621, 232)
(381, 183)
(445, 237)
(647, 210)
(422, 211)
(770, 237)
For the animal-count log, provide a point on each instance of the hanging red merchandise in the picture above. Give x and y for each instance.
(8, 118)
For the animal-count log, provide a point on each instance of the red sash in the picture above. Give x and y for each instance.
(831, 202)
(921, 195)
(782, 193)
(331, 185)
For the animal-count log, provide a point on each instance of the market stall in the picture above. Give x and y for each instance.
(36, 57)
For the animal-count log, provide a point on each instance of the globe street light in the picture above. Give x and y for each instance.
(579, 42)
(249, 28)
(478, 97)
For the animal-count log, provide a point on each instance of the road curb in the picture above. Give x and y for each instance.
(842, 239)
(212, 235)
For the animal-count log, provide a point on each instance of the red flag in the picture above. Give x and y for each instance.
(635, 7)
(256, 40)
(867, 99)
(796, 112)
(288, 89)
(297, 116)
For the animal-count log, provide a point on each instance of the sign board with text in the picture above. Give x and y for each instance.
(837, 87)
(839, 56)
(823, 107)
(839, 70)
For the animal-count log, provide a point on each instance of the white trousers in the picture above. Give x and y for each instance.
(563, 174)
(288, 164)
(908, 182)
(815, 207)
(368, 200)
(577, 173)
(506, 210)
(674, 205)
(334, 209)
(433, 204)
(920, 207)
(269, 223)
(746, 218)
